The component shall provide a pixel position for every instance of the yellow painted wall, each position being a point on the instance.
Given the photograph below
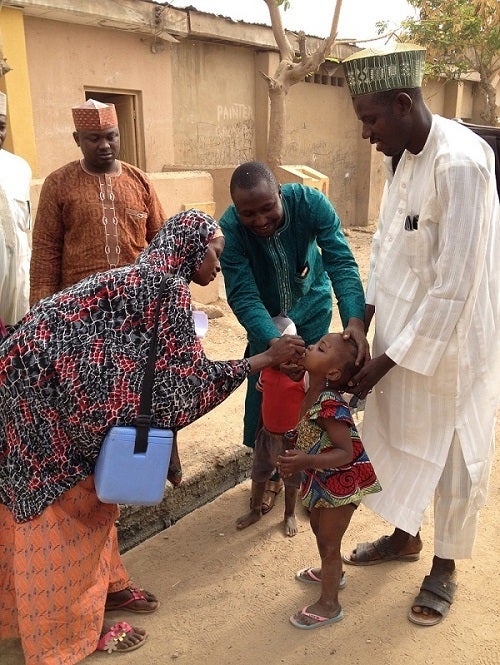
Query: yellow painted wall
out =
(16, 85)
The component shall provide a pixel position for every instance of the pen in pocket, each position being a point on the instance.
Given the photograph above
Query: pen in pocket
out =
(411, 223)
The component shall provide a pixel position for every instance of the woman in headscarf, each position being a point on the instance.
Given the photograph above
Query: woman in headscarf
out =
(69, 371)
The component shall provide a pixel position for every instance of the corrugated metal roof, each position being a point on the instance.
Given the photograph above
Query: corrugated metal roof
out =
(242, 11)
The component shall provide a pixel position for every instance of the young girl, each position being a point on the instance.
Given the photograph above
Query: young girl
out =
(336, 472)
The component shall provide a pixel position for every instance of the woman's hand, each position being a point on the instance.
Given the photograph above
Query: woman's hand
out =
(288, 348)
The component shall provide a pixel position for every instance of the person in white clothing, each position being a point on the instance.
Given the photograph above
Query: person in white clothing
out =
(434, 287)
(15, 223)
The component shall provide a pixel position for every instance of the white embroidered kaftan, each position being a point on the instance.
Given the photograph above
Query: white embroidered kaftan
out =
(436, 291)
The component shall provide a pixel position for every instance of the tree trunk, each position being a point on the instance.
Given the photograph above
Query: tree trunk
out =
(288, 73)
(278, 90)
(488, 94)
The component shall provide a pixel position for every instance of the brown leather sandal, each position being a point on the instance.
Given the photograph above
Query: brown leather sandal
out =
(273, 488)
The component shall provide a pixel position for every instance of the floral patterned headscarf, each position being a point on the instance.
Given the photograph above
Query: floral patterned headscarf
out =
(181, 244)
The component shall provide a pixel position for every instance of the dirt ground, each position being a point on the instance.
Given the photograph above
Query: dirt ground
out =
(226, 595)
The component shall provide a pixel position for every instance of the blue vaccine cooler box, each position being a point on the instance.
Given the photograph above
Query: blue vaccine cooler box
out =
(122, 476)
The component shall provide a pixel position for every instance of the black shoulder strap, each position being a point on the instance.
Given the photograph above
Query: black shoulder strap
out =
(143, 419)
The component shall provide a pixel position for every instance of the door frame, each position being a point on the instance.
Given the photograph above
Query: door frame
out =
(128, 104)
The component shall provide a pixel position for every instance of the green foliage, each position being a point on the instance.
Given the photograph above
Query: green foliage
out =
(461, 36)
(283, 3)
(382, 27)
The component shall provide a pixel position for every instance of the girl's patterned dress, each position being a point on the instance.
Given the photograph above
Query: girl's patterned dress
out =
(330, 488)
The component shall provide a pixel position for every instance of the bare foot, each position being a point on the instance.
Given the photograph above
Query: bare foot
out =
(248, 519)
(120, 637)
(291, 528)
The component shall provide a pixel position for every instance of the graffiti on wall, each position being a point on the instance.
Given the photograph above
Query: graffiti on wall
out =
(227, 141)
(234, 112)
(336, 161)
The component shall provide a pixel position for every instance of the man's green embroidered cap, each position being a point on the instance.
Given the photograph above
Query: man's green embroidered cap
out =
(375, 70)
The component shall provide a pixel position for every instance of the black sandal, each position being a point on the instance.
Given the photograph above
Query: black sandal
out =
(436, 593)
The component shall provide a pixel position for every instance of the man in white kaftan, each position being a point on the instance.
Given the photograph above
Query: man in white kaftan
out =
(436, 297)
(434, 286)
(15, 223)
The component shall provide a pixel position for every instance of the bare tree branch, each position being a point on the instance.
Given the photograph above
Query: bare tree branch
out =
(289, 72)
(284, 46)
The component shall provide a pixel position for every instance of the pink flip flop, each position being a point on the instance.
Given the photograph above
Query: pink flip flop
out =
(127, 605)
(307, 576)
(318, 620)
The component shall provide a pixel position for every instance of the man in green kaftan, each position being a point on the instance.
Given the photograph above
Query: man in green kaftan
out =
(284, 252)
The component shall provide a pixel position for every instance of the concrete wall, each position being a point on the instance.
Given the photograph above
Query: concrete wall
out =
(176, 191)
(219, 125)
(434, 95)
(322, 132)
(66, 59)
(468, 96)
(213, 104)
